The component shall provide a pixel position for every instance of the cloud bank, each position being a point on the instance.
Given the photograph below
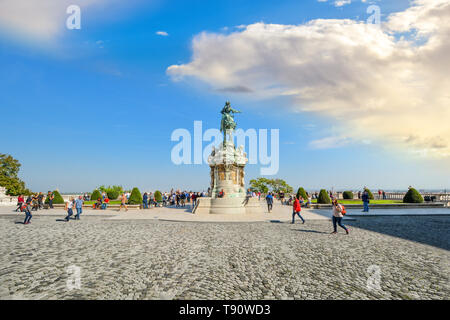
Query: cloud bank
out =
(387, 84)
(45, 20)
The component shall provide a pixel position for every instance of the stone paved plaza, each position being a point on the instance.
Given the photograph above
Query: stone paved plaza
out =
(152, 259)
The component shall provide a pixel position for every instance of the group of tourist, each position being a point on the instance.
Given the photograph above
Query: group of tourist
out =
(338, 210)
(176, 198)
(180, 199)
(33, 202)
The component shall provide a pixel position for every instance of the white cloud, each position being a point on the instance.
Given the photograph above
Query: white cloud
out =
(330, 142)
(377, 87)
(45, 20)
(162, 33)
(340, 3)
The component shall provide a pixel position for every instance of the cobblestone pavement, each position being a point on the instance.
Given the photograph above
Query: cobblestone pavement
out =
(150, 259)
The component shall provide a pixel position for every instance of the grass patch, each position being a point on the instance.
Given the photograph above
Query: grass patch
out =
(110, 202)
(357, 201)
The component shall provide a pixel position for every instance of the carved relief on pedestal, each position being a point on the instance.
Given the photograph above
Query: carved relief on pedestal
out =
(241, 177)
(233, 175)
(212, 178)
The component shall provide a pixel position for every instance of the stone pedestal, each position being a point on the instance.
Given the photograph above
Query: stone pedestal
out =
(227, 172)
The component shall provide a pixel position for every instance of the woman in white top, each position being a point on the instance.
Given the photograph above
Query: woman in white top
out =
(337, 217)
(69, 208)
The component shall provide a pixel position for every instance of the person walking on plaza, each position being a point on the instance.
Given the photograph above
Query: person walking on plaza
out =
(337, 217)
(69, 209)
(194, 199)
(365, 199)
(182, 199)
(79, 206)
(145, 201)
(50, 198)
(296, 208)
(28, 215)
(269, 200)
(20, 201)
(40, 198)
(123, 202)
(34, 201)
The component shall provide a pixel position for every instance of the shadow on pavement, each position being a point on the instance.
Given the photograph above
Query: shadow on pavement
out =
(309, 231)
(429, 230)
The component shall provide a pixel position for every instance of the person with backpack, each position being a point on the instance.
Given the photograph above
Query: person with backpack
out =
(28, 216)
(296, 208)
(338, 213)
(269, 200)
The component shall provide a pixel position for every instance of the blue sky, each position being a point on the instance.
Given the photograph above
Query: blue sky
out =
(82, 108)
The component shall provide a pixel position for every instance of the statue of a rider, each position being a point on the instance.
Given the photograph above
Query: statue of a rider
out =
(227, 124)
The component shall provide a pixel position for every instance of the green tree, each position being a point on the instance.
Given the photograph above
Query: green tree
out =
(370, 193)
(412, 196)
(9, 169)
(113, 192)
(323, 198)
(135, 197)
(158, 196)
(347, 195)
(279, 185)
(95, 195)
(57, 198)
(302, 192)
(260, 185)
(263, 185)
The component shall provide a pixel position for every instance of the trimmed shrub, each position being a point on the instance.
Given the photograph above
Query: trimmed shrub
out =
(95, 195)
(412, 196)
(113, 194)
(57, 198)
(323, 198)
(301, 192)
(370, 193)
(347, 195)
(135, 197)
(158, 196)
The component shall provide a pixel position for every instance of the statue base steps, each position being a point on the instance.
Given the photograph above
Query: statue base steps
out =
(235, 205)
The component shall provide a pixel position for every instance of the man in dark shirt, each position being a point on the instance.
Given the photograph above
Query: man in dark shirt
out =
(365, 199)
(269, 199)
(40, 200)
